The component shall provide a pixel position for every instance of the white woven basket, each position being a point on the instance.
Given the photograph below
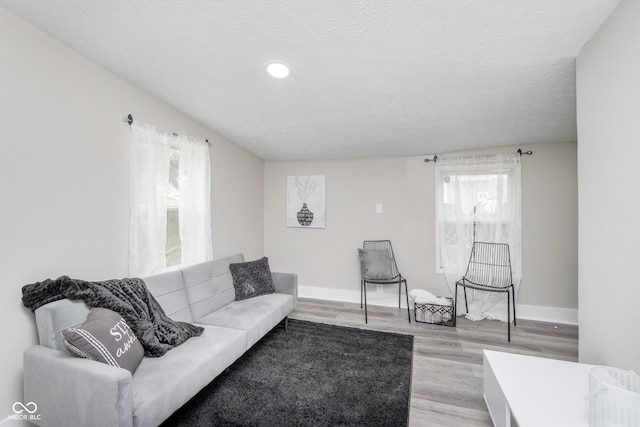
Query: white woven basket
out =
(614, 397)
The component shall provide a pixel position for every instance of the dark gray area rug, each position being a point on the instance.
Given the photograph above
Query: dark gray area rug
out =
(310, 375)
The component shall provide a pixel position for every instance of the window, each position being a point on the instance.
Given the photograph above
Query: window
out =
(173, 250)
(170, 186)
(477, 200)
(475, 205)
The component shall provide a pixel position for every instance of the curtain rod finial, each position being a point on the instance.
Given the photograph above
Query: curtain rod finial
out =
(434, 159)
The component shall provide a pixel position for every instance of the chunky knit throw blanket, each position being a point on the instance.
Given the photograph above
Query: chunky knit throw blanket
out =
(129, 297)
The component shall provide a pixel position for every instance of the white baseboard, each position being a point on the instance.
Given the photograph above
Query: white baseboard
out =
(567, 316)
(390, 299)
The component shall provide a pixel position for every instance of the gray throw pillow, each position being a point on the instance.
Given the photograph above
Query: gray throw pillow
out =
(251, 278)
(104, 337)
(375, 264)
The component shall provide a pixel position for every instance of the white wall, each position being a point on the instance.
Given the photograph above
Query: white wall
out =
(608, 97)
(64, 173)
(327, 258)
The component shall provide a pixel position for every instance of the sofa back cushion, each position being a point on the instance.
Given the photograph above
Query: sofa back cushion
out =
(53, 318)
(168, 289)
(209, 285)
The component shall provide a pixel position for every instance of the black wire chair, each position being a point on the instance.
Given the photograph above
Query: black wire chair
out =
(489, 270)
(387, 269)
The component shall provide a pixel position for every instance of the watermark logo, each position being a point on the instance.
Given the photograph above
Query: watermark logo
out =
(20, 407)
(25, 412)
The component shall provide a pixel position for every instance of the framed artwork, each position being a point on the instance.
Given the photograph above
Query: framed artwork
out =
(306, 201)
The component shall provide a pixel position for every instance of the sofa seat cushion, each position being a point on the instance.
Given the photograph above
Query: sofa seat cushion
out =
(161, 385)
(256, 316)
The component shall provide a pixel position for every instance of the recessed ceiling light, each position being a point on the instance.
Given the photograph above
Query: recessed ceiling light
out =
(277, 70)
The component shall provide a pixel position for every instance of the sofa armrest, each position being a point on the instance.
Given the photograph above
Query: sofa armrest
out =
(286, 283)
(72, 391)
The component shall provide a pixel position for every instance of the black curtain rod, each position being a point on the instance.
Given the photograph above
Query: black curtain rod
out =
(528, 153)
(520, 152)
(129, 120)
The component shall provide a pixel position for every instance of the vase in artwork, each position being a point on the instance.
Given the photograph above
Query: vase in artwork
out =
(305, 216)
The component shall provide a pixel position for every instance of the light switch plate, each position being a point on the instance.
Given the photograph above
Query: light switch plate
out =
(378, 207)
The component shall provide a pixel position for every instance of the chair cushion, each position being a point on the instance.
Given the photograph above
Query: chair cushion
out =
(252, 278)
(375, 264)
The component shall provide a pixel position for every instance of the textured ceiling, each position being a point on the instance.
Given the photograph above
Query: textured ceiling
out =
(368, 78)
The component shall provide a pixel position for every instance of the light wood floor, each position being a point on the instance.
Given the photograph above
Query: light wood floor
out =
(446, 385)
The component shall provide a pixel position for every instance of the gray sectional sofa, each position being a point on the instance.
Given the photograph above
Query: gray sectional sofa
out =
(74, 391)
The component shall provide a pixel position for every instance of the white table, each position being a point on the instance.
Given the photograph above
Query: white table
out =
(533, 391)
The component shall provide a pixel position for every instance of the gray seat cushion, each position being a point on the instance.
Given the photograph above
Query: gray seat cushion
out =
(266, 311)
(375, 264)
(161, 385)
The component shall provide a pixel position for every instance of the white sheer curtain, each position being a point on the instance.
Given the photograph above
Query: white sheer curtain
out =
(148, 190)
(478, 199)
(194, 200)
